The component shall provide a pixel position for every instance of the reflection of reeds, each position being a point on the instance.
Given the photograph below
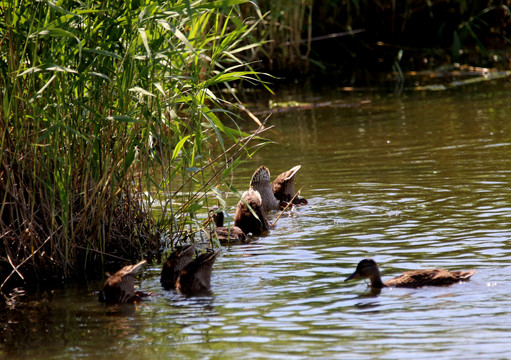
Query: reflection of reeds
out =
(101, 107)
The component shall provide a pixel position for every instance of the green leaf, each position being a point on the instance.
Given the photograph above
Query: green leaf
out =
(141, 91)
(178, 147)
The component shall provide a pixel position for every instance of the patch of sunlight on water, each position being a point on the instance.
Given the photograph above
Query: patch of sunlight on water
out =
(415, 182)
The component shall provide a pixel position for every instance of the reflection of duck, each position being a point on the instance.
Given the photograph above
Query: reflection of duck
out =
(284, 189)
(173, 265)
(229, 235)
(368, 268)
(195, 278)
(245, 219)
(120, 287)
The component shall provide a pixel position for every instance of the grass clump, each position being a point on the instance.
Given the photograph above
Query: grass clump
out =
(111, 115)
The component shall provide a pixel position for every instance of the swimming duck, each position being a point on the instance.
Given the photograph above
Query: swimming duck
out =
(173, 265)
(245, 220)
(120, 287)
(229, 235)
(195, 278)
(284, 189)
(368, 268)
(260, 182)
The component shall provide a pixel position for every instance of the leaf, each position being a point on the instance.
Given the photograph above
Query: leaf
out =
(124, 118)
(141, 91)
(41, 90)
(104, 53)
(143, 35)
(178, 147)
(101, 76)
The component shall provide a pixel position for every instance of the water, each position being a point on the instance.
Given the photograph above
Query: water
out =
(416, 181)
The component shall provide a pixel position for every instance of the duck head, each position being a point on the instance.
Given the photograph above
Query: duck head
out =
(367, 268)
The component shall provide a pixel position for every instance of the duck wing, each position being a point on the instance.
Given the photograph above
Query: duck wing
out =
(173, 265)
(283, 185)
(120, 287)
(244, 218)
(229, 235)
(429, 277)
(195, 278)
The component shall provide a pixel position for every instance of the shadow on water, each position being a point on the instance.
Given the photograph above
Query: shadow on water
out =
(415, 182)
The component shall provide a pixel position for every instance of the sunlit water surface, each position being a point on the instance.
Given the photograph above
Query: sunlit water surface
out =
(415, 181)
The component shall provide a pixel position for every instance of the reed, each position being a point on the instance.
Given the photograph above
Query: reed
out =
(108, 108)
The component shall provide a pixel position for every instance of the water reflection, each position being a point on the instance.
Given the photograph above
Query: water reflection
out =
(414, 182)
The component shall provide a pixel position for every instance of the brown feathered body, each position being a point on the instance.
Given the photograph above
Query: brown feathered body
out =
(284, 189)
(120, 287)
(245, 219)
(174, 264)
(260, 182)
(195, 278)
(368, 268)
(224, 234)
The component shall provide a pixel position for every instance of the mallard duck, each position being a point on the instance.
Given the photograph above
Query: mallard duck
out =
(284, 189)
(368, 268)
(120, 287)
(245, 220)
(173, 265)
(229, 235)
(260, 182)
(195, 278)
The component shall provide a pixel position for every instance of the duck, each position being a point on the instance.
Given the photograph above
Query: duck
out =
(120, 287)
(284, 189)
(177, 260)
(195, 278)
(260, 182)
(226, 235)
(245, 219)
(368, 268)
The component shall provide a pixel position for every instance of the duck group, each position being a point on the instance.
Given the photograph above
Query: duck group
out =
(192, 276)
(189, 276)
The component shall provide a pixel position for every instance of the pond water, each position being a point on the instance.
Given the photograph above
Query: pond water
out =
(413, 181)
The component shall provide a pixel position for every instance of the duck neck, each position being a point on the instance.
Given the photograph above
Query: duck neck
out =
(376, 281)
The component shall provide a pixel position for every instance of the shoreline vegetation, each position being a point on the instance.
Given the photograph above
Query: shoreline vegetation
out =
(119, 120)
(363, 43)
(114, 130)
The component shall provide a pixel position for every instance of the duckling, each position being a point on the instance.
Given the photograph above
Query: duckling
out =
(368, 268)
(120, 287)
(245, 220)
(283, 187)
(195, 278)
(226, 235)
(173, 265)
(261, 182)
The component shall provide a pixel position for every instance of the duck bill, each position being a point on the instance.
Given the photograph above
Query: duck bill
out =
(352, 276)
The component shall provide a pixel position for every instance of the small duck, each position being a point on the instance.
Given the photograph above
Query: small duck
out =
(368, 268)
(195, 278)
(284, 189)
(245, 219)
(173, 265)
(226, 235)
(260, 182)
(120, 287)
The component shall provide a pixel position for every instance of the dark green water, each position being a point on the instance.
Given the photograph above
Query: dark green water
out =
(416, 181)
